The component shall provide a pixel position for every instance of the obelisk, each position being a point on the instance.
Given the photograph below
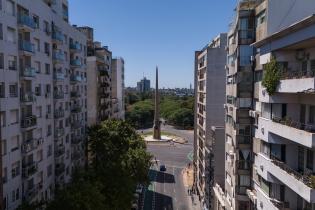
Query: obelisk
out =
(157, 123)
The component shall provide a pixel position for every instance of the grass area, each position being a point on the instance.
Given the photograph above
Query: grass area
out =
(165, 133)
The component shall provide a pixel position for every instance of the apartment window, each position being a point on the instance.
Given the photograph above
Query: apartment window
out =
(312, 115)
(49, 170)
(13, 89)
(12, 62)
(39, 111)
(15, 169)
(47, 89)
(48, 109)
(38, 90)
(37, 44)
(1, 32)
(37, 67)
(47, 68)
(66, 39)
(48, 130)
(2, 119)
(2, 90)
(14, 116)
(1, 61)
(36, 21)
(5, 175)
(47, 48)
(313, 66)
(4, 147)
(15, 142)
(66, 56)
(39, 155)
(49, 152)
(10, 7)
(309, 159)
(11, 35)
(260, 18)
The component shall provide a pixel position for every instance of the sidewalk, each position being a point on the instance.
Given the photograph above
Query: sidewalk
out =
(188, 179)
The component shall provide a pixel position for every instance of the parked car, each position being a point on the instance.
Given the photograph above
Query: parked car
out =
(162, 168)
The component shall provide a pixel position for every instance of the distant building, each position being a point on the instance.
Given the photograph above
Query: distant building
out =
(118, 86)
(143, 85)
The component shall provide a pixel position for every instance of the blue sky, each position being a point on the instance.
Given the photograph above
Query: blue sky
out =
(147, 33)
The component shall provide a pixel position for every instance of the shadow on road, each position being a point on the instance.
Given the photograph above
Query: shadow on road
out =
(162, 202)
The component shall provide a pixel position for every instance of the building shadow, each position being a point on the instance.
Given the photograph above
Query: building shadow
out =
(162, 177)
(161, 201)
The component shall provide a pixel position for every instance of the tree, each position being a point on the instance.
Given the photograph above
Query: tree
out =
(182, 117)
(120, 161)
(141, 114)
(271, 76)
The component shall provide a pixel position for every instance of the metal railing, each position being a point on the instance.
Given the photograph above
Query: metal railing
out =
(294, 124)
(28, 72)
(27, 46)
(31, 145)
(289, 74)
(59, 150)
(59, 76)
(75, 46)
(58, 36)
(76, 108)
(75, 94)
(59, 95)
(27, 97)
(59, 132)
(75, 62)
(26, 21)
(28, 121)
(59, 113)
(28, 169)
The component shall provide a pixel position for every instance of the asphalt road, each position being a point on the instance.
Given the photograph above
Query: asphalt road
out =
(166, 191)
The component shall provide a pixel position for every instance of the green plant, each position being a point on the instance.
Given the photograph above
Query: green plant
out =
(271, 76)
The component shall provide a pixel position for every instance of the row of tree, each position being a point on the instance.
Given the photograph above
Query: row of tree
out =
(178, 111)
(118, 161)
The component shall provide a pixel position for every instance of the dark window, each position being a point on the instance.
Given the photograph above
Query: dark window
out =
(309, 159)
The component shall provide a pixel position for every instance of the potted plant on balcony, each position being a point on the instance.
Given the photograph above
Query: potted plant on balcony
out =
(271, 76)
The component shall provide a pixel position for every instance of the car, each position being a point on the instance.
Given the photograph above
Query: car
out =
(162, 168)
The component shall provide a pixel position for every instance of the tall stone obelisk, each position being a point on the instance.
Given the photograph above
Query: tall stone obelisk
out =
(157, 123)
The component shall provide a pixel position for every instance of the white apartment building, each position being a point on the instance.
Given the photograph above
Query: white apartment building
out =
(284, 121)
(210, 78)
(42, 98)
(118, 88)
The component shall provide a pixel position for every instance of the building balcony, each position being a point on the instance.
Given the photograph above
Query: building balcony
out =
(31, 145)
(100, 58)
(59, 132)
(76, 124)
(59, 76)
(26, 47)
(29, 121)
(29, 169)
(76, 139)
(28, 72)
(27, 97)
(57, 36)
(75, 47)
(299, 183)
(75, 94)
(60, 150)
(75, 78)
(26, 22)
(102, 68)
(76, 108)
(270, 203)
(76, 155)
(75, 63)
(59, 113)
(59, 95)
(295, 131)
(60, 169)
(58, 57)
(296, 82)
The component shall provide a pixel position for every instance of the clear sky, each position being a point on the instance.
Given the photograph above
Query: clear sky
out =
(147, 33)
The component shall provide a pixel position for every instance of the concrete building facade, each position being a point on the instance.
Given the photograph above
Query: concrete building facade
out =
(42, 99)
(118, 88)
(143, 85)
(210, 97)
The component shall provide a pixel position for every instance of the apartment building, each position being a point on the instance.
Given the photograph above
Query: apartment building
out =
(143, 85)
(239, 92)
(284, 120)
(42, 98)
(210, 91)
(118, 88)
(98, 79)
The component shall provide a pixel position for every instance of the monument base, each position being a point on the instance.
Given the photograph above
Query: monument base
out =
(163, 139)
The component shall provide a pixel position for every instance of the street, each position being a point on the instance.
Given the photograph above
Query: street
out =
(167, 191)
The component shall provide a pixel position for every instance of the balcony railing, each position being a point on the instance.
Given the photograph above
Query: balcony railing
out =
(27, 46)
(59, 76)
(27, 97)
(75, 62)
(305, 178)
(59, 113)
(58, 56)
(59, 95)
(243, 139)
(31, 145)
(60, 168)
(28, 72)
(76, 139)
(28, 121)
(59, 132)
(75, 94)
(243, 164)
(75, 78)
(75, 46)
(76, 124)
(59, 150)
(294, 124)
(57, 36)
(76, 108)
(29, 169)
(280, 204)
(298, 74)
(26, 20)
